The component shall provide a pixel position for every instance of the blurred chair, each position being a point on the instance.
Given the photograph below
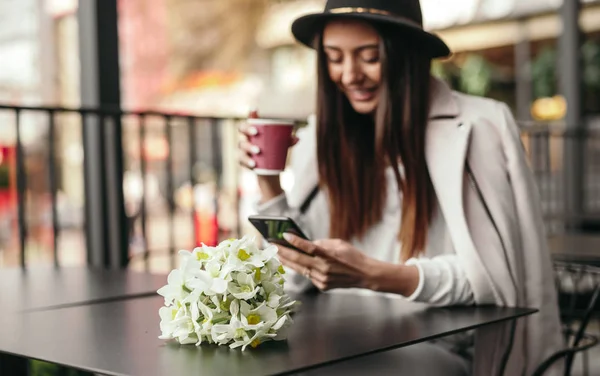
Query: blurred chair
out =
(579, 291)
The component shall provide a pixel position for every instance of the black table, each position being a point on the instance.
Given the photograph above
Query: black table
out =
(120, 338)
(39, 288)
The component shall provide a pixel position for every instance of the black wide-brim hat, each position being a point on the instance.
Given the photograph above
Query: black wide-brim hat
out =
(401, 16)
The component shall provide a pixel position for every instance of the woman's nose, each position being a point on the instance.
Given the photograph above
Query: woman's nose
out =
(351, 73)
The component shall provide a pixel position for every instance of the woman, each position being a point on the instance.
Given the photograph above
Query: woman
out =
(428, 189)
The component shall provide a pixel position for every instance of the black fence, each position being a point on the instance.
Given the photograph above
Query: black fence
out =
(180, 183)
(170, 154)
(566, 164)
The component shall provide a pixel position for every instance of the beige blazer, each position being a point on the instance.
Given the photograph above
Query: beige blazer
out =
(472, 140)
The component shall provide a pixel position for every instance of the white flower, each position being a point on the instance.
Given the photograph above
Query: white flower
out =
(272, 293)
(231, 294)
(203, 254)
(259, 259)
(258, 338)
(287, 305)
(202, 320)
(281, 327)
(273, 300)
(243, 287)
(224, 333)
(176, 290)
(177, 323)
(274, 265)
(245, 253)
(206, 284)
(259, 316)
(185, 331)
(167, 316)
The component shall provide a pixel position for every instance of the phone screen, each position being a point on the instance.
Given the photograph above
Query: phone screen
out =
(273, 228)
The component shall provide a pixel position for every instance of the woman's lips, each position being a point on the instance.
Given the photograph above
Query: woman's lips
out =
(361, 95)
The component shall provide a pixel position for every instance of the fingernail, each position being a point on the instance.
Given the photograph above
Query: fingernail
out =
(252, 131)
(288, 237)
(255, 149)
(252, 164)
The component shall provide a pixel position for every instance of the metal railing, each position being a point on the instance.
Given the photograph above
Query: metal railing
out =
(189, 162)
(165, 139)
(550, 150)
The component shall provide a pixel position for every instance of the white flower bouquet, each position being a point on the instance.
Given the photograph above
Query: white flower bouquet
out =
(231, 294)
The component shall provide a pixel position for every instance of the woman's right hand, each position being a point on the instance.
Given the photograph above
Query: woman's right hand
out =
(246, 149)
(270, 186)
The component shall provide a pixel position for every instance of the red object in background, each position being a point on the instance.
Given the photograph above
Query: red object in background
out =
(206, 229)
(8, 195)
(144, 38)
(6, 201)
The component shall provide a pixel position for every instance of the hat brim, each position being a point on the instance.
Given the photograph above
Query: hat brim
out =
(306, 28)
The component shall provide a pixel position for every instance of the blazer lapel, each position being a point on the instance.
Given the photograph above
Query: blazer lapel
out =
(446, 147)
(447, 143)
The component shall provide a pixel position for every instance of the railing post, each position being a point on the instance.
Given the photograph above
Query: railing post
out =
(106, 224)
(53, 182)
(571, 88)
(524, 88)
(143, 208)
(22, 191)
(193, 157)
(170, 188)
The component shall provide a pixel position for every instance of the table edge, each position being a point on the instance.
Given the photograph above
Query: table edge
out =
(530, 312)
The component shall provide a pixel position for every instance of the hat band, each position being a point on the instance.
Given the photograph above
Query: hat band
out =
(346, 10)
(360, 10)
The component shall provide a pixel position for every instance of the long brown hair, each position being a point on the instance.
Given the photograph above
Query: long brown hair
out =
(354, 150)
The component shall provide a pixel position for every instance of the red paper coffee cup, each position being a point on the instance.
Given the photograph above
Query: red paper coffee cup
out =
(274, 138)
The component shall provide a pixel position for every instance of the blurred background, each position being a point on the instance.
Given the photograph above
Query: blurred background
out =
(118, 118)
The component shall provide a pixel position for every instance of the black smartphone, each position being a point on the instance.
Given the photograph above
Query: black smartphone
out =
(272, 229)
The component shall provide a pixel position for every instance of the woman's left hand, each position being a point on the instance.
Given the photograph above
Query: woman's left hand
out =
(330, 264)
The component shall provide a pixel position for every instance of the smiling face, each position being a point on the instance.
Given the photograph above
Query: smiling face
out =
(353, 61)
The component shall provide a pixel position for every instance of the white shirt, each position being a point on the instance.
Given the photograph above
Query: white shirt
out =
(442, 281)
